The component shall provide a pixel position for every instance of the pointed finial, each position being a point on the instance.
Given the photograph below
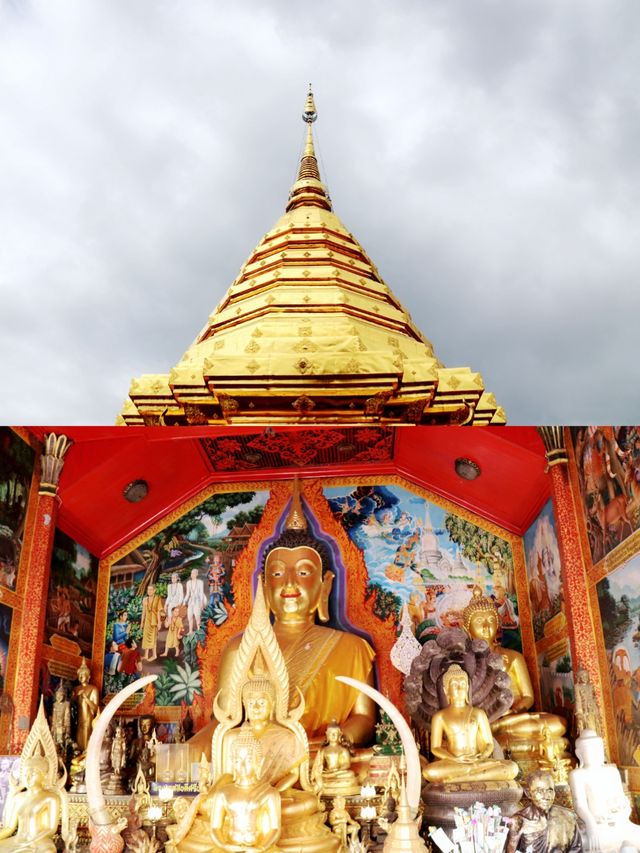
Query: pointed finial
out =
(310, 113)
(295, 519)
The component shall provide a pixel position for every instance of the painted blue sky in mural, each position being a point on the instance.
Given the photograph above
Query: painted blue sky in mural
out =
(403, 537)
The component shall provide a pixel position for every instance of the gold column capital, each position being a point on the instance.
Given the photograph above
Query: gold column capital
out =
(553, 440)
(52, 459)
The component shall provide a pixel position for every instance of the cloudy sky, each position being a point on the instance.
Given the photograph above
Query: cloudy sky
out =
(486, 154)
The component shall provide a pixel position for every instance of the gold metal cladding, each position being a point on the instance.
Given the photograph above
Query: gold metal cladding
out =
(553, 439)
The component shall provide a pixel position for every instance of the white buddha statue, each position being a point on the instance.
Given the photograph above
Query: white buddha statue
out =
(599, 799)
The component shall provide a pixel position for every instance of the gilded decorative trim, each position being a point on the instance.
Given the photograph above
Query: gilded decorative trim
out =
(529, 649)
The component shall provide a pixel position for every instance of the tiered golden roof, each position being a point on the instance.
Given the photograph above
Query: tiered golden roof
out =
(310, 333)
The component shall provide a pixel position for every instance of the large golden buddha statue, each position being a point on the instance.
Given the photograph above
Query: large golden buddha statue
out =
(461, 739)
(534, 734)
(298, 581)
(258, 706)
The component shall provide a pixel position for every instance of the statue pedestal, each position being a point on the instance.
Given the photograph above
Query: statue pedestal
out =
(530, 755)
(441, 800)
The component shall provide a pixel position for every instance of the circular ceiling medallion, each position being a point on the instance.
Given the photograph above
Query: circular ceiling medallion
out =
(136, 491)
(467, 468)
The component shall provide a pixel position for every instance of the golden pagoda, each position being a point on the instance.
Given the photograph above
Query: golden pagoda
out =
(310, 333)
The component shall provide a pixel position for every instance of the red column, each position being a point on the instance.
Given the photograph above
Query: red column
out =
(26, 687)
(582, 636)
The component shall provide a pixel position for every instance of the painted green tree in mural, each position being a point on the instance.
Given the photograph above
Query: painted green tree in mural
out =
(385, 603)
(479, 545)
(188, 529)
(615, 614)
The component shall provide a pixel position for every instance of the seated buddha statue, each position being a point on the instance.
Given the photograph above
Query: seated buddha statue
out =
(332, 774)
(599, 798)
(461, 739)
(245, 812)
(297, 582)
(480, 620)
(258, 707)
(33, 813)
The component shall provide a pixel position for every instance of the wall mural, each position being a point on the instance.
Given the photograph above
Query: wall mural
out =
(608, 462)
(556, 679)
(164, 593)
(543, 570)
(6, 615)
(421, 555)
(16, 468)
(72, 594)
(619, 604)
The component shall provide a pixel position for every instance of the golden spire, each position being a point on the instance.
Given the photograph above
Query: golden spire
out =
(296, 519)
(308, 188)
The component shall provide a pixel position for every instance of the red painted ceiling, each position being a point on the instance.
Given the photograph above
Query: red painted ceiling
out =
(511, 490)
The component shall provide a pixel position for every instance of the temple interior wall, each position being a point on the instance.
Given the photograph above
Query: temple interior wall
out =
(392, 543)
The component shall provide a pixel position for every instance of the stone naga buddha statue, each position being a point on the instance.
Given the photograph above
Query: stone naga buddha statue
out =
(298, 580)
(523, 733)
(461, 739)
(332, 774)
(245, 813)
(599, 798)
(258, 705)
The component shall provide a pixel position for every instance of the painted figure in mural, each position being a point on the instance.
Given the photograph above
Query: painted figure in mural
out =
(121, 628)
(538, 590)
(622, 691)
(461, 739)
(63, 608)
(245, 814)
(87, 703)
(505, 608)
(298, 582)
(599, 798)
(480, 620)
(195, 599)
(150, 622)
(34, 812)
(130, 660)
(541, 826)
(61, 719)
(215, 576)
(175, 597)
(331, 773)
(112, 658)
(175, 630)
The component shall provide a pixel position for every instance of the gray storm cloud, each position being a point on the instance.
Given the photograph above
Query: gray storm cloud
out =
(485, 154)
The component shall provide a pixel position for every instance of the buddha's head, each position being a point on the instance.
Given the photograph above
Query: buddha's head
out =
(480, 617)
(589, 749)
(259, 699)
(84, 673)
(540, 789)
(297, 581)
(333, 733)
(455, 683)
(61, 693)
(34, 770)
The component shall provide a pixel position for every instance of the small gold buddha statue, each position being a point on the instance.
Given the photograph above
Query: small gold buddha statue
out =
(34, 812)
(298, 582)
(480, 620)
(331, 773)
(342, 824)
(461, 739)
(245, 813)
(87, 702)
